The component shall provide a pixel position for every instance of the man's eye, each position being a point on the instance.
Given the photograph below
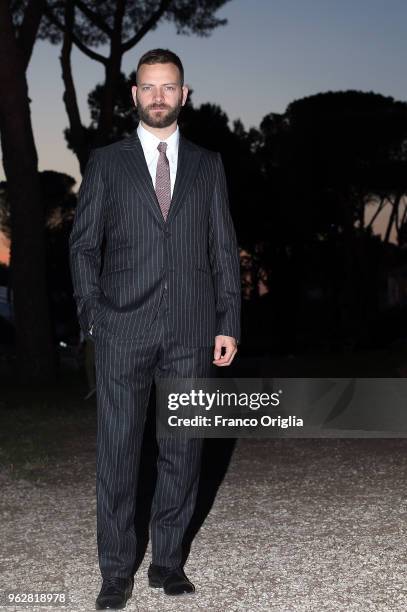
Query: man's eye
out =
(170, 88)
(146, 88)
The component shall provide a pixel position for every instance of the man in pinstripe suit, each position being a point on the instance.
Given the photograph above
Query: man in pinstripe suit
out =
(155, 270)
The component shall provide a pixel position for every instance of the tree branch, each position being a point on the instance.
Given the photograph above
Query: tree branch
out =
(383, 201)
(92, 54)
(397, 218)
(94, 17)
(404, 218)
(155, 17)
(392, 217)
(118, 22)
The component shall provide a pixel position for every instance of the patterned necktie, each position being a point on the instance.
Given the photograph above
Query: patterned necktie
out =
(162, 180)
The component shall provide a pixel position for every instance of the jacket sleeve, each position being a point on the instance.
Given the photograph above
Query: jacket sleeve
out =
(85, 244)
(224, 259)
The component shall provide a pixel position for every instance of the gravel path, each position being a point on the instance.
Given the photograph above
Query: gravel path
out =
(297, 525)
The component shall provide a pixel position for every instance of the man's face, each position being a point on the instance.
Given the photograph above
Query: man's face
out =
(159, 96)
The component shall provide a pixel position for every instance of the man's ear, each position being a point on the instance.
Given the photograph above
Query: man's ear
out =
(184, 94)
(134, 94)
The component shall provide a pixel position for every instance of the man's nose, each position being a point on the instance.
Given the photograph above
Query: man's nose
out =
(158, 94)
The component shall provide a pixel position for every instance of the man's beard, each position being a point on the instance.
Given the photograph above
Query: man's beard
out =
(156, 119)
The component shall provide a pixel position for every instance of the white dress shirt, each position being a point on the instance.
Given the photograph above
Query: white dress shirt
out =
(149, 142)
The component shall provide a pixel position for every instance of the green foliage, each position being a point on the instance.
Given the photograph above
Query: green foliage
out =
(330, 154)
(95, 19)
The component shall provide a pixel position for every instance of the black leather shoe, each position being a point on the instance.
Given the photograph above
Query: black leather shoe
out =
(172, 580)
(114, 593)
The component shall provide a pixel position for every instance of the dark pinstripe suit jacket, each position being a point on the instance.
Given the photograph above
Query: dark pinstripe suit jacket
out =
(193, 253)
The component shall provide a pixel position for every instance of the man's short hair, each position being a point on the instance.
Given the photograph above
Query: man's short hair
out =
(161, 56)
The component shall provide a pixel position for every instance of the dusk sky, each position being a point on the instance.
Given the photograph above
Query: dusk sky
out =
(270, 53)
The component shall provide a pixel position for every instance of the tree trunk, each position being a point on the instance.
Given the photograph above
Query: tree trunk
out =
(105, 127)
(350, 294)
(78, 140)
(35, 350)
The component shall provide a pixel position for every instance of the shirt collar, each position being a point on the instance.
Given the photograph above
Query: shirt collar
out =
(149, 141)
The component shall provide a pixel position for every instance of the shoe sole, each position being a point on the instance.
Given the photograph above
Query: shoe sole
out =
(157, 584)
(121, 607)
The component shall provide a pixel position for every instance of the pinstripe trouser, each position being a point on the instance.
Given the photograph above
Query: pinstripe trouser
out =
(125, 371)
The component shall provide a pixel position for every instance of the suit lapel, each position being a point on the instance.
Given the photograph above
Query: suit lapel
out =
(132, 156)
(187, 167)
